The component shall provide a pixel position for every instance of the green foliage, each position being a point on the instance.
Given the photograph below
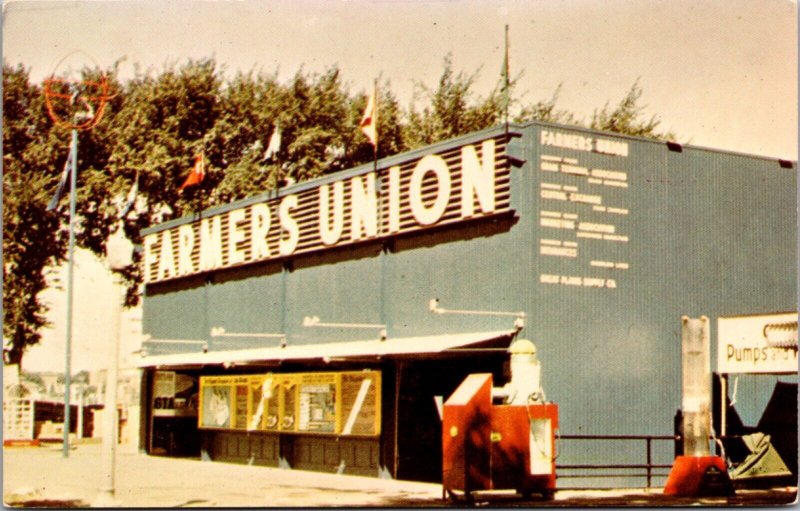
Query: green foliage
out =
(156, 123)
(546, 111)
(452, 110)
(626, 118)
(33, 238)
(33, 380)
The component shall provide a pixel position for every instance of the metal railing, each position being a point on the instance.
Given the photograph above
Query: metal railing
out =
(647, 470)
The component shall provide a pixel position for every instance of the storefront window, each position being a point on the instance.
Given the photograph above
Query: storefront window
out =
(344, 403)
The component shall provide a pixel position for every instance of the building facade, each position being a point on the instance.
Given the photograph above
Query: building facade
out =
(320, 326)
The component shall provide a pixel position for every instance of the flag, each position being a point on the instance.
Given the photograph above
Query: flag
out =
(197, 174)
(62, 184)
(274, 144)
(369, 123)
(130, 200)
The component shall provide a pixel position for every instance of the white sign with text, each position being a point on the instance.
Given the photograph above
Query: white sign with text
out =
(764, 343)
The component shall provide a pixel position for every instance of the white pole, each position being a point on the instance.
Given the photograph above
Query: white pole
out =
(110, 425)
(723, 407)
(118, 249)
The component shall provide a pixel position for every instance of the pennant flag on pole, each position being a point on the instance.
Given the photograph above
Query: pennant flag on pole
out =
(130, 200)
(62, 184)
(274, 144)
(369, 123)
(197, 174)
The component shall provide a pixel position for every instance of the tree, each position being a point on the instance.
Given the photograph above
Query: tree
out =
(546, 111)
(162, 124)
(319, 124)
(250, 109)
(626, 118)
(33, 238)
(452, 111)
(33, 380)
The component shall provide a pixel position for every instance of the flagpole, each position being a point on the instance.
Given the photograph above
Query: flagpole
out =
(70, 279)
(382, 254)
(507, 84)
(375, 146)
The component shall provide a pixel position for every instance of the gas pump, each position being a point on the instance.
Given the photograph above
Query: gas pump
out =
(497, 438)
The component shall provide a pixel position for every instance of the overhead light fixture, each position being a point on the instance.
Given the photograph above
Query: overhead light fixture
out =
(204, 344)
(314, 321)
(519, 322)
(219, 331)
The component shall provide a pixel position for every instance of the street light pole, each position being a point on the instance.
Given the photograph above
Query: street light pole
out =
(73, 155)
(119, 250)
(72, 94)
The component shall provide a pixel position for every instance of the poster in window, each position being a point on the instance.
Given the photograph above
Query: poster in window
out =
(174, 394)
(216, 407)
(260, 394)
(271, 421)
(288, 420)
(162, 404)
(317, 408)
(360, 404)
(240, 421)
(186, 390)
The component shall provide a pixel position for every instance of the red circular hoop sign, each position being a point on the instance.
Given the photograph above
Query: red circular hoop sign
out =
(76, 104)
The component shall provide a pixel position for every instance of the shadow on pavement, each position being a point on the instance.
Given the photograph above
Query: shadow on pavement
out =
(48, 503)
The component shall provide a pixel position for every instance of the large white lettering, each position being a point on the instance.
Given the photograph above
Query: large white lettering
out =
(185, 246)
(259, 228)
(236, 235)
(166, 261)
(363, 208)
(423, 214)
(330, 234)
(477, 178)
(210, 243)
(287, 245)
(394, 199)
(398, 199)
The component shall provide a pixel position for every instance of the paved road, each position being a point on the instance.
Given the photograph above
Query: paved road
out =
(42, 476)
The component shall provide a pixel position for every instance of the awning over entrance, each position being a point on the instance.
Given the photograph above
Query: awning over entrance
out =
(391, 347)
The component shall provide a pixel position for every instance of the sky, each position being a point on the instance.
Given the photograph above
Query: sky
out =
(95, 303)
(719, 74)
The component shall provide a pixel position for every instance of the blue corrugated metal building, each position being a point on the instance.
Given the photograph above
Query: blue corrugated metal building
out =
(601, 241)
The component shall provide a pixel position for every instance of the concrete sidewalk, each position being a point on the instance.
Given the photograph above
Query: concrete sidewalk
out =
(43, 474)
(35, 477)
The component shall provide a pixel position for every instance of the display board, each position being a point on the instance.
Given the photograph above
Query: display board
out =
(174, 395)
(341, 403)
